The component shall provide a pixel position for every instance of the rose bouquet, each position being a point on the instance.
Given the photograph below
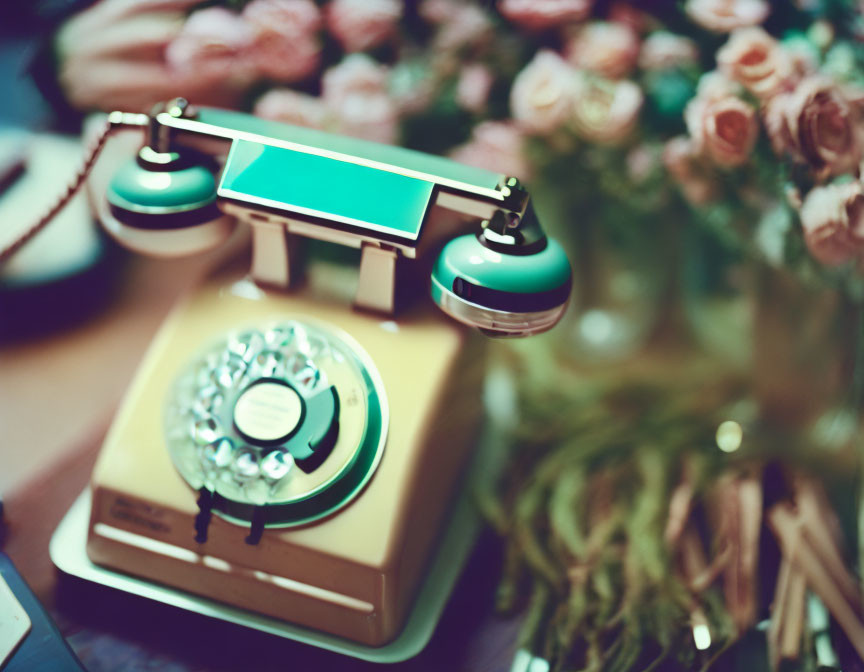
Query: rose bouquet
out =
(741, 114)
(525, 83)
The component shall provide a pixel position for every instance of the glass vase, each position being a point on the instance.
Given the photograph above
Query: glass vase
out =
(621, 273)
(718, 298)
(807, 356)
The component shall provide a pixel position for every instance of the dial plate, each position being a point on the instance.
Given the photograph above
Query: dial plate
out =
(275, 416)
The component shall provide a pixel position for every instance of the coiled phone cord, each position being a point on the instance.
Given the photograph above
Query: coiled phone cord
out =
(114, 121)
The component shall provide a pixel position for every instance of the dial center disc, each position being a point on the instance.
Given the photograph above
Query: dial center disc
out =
(268, 411)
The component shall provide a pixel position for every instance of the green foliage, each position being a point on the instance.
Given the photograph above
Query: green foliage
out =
(667, 93)
(442, 124)
(583, 505)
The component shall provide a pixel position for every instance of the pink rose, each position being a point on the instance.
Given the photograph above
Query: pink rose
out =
(473, 86)
(723, 128)
(285, 44)
(688, 169)
(495, 146)
(817, 125)
(663, 50)
(286, 17)
(723, 16)
(541, 99)
(755, 59)
(285, 60)
(605, 111)
(466, 25)
(542, 14)
(292, 107)
(459, 24)
(357, 74)
(359, 25)
(608, 49)
(355, 92)
(714, 93)
(833, 222)
(212, 44)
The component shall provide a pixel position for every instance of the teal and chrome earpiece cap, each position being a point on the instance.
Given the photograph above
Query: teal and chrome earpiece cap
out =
(502, 294)
(160, 204)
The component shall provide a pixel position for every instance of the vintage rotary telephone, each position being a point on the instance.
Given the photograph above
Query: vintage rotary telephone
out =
(274, 409)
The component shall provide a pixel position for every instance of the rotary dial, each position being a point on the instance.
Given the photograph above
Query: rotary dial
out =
(289, 419)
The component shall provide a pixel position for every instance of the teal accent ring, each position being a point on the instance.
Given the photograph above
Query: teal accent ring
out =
(466, 258)
(136, 189)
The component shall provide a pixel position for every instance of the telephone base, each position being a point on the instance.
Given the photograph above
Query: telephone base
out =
(69, 554)
(352, 573)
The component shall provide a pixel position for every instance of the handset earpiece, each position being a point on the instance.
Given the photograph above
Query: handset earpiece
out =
(508, 280)
(163, 203)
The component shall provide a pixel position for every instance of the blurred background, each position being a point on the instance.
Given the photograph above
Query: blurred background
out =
(701, 162)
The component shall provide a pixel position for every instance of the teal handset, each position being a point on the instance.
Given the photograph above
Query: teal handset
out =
(508, 279)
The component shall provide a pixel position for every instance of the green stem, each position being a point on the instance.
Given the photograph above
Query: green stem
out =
(858, 364)
(585, 232)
